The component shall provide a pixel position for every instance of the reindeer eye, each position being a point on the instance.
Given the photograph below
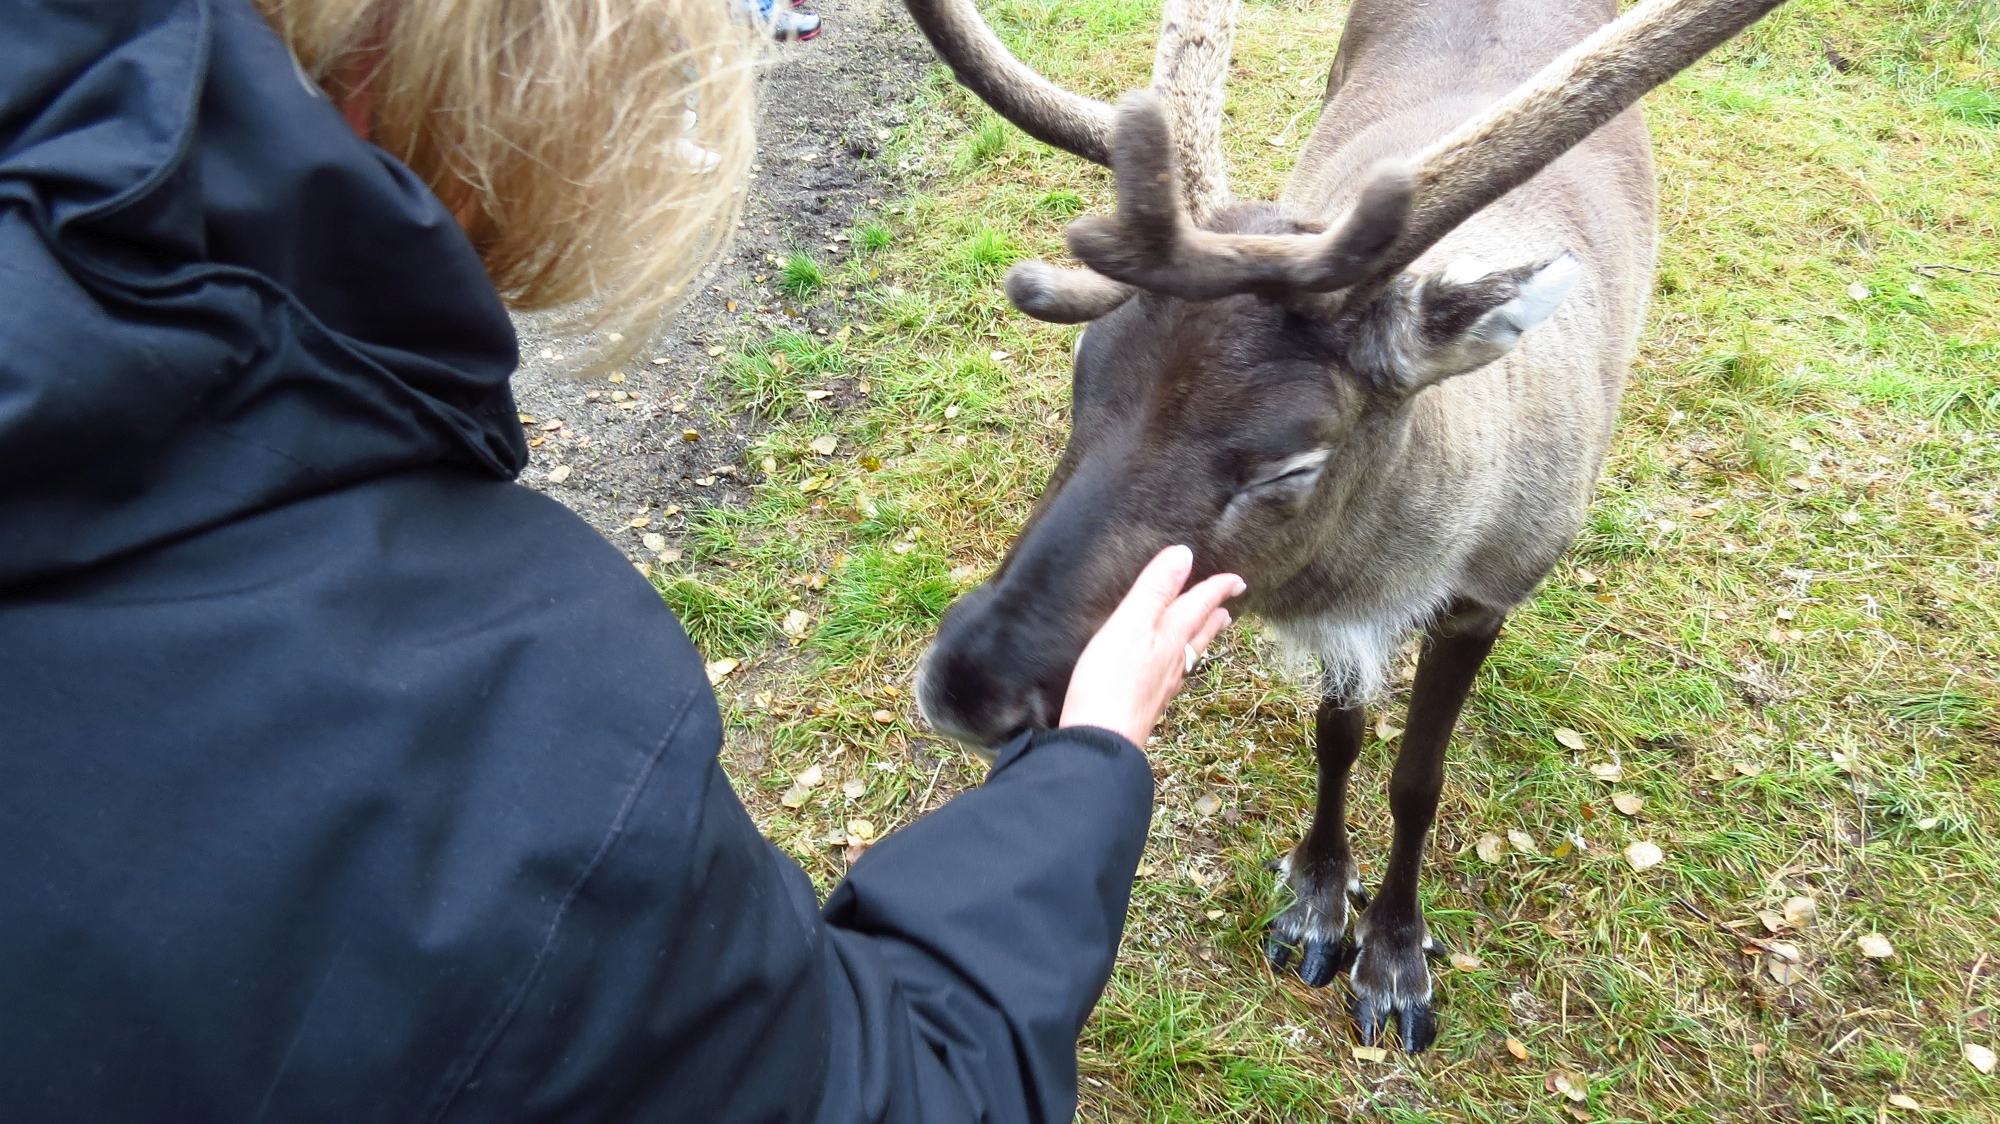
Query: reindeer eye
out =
(1294, 475)
(1291, 472)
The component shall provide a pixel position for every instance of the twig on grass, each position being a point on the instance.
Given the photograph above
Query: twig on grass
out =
(1931, 269)
(1689, 657)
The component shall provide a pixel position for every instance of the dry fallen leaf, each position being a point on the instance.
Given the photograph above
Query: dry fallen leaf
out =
(1858, 290)
(871, 463)
(653, 541)
(1466, 962)
(690, 435)
(1208, 803)
(1905, 1101)
(1569, 738)
(1784, 950)
(1517, 1048)
(1760, 1051)
(670, 555)
(854, 788)
(1772, 922)
(860, 831)
(1216, 914)
(1370, 1054)
(1979, 1057)
(1644, 854)
(811, 777)
(825, 444)
(813, 484)
(1488, 848)
(795, 796)
(1566, 1084)
(558, 474)
(719, 670)
(1749, 768)
(1783, 971)
(1522, 841)
(795, 623)
(1875, 946)
(1800, 912)
(883, 716)
(1384, 730)
(1608, 772)
(951, 411)
(1627, 803)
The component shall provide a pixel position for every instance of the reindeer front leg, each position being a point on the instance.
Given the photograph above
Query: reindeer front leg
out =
(1390, 940)
(1320, 871)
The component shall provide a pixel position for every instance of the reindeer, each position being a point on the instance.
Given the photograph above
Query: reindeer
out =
(1383, 400)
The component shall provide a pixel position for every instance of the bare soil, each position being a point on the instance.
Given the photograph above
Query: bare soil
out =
(825, 107)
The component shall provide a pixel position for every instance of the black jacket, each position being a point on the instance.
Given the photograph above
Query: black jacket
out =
(341, 779)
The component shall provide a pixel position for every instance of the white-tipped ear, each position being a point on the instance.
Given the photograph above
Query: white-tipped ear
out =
(1468, 315)
(1539, 296)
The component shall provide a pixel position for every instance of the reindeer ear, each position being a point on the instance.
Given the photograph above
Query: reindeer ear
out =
(1464, 317)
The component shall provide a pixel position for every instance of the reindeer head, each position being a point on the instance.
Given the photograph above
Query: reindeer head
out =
(1240, 374)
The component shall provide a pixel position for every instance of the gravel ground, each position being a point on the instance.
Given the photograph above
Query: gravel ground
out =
(615, 450)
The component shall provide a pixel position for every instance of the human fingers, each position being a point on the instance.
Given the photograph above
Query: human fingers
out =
(1191, 609)
(1156, 586)
(1218, 619)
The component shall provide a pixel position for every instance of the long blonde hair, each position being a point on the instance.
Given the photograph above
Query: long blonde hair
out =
(553, 129)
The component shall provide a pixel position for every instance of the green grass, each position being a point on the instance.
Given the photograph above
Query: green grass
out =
(1780, 618)
(872, 236)
(801, 276)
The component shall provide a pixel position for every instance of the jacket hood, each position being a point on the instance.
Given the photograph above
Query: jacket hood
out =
(214, 297)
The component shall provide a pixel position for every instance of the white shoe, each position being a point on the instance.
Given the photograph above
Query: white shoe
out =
(692, 156)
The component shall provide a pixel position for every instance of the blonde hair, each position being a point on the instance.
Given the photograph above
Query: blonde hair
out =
(553, 129)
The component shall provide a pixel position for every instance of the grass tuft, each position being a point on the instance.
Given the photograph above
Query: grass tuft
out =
(801, 276)
(872, 236)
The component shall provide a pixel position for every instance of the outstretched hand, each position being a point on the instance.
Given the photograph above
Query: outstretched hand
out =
(1137, 661)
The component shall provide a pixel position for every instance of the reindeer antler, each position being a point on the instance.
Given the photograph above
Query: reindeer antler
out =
(1401, 212)
(984, 65)
(1151, 244)
(1190, 67)
(1582, 89)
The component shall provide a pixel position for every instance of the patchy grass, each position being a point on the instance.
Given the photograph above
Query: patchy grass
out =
(801, 276)
(1780, 621)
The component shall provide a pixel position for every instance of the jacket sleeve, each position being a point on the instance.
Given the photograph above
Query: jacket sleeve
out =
(967, 949)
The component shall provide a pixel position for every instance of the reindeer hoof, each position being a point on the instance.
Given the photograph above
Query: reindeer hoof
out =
(1315, 927)
(1323, 960)
(1277, 951)
(1415, 1020)
(1390, 979)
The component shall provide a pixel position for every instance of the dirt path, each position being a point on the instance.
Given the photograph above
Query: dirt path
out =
(615, 451)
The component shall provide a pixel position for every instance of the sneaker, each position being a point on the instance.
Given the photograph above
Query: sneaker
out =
(794, 24)
(692, 156)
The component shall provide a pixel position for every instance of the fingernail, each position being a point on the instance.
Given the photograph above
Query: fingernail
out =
(1187, 553)
(1241, 585)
